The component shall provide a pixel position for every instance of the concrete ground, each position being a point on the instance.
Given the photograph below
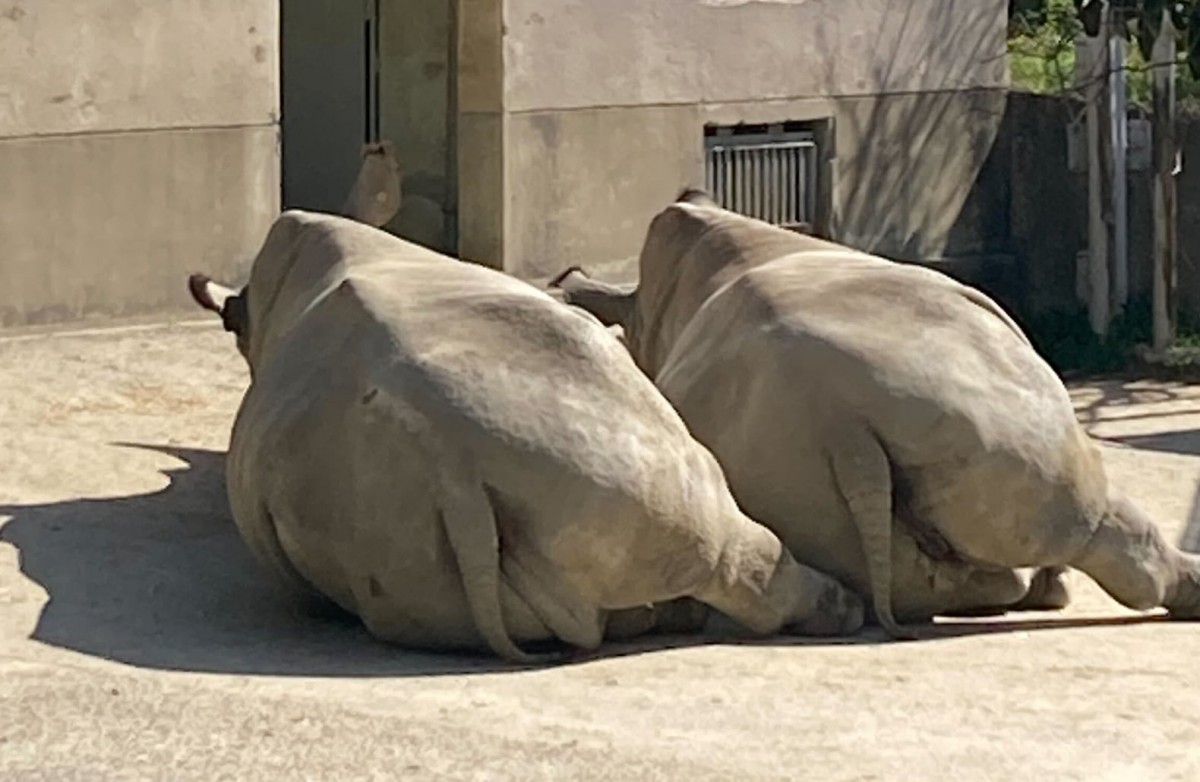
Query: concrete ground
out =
(139, 641)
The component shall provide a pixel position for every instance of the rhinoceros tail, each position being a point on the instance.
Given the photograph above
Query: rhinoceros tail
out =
(864, 478)
(470, 524)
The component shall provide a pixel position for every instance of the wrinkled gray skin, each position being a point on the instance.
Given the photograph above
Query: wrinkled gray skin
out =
(894, 427)
(447, 453)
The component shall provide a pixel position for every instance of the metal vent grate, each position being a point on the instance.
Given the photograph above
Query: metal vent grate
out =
(766, 173)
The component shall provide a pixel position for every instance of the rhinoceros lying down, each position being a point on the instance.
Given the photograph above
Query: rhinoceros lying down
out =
(446, 452)
(894, 427)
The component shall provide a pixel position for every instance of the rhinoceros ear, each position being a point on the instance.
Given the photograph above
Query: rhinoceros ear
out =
(215, 297)
(208, 294)
(556, 282)
(611, 304)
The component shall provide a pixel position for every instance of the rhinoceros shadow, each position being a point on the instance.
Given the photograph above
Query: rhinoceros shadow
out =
(162, 580)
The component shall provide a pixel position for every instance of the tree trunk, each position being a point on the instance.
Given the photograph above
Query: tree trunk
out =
(1091, 58)
(1165, 207)
(1118, 138)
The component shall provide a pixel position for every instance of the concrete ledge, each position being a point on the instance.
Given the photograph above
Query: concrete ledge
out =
(107, 226)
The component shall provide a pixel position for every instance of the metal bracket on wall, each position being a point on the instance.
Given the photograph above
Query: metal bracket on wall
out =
(371, 130)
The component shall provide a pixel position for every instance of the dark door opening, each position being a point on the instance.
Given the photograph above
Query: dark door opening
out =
(329, 95)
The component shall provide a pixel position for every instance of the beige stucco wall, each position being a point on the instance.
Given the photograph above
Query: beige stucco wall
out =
(580, 53)
(137, 143)
(578, 195)
(600, 109)
(905, 167)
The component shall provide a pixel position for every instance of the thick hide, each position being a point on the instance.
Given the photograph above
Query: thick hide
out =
(894, 427)
(462, 462)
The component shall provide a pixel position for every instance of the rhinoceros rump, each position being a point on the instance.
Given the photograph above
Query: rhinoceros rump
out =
(451, 455)
(894, 427)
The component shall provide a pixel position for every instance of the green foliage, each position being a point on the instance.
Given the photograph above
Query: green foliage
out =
(1042, 45)
(1137, 20)
(1141, 20)
(1141, 78)
(1042, 36)
(1065, 339)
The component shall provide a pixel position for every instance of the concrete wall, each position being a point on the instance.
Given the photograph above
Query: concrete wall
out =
(137, 143)
(574, 54)
(1037, 211)
(1049, 209)
(1188, 198)
(1048, 216)
(480, 137)
(599, 110)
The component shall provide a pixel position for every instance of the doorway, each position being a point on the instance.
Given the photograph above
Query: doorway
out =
(329, 96)
(368, 71)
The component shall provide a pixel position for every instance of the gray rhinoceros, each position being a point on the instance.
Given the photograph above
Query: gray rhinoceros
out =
(894, 427)
(460, 461)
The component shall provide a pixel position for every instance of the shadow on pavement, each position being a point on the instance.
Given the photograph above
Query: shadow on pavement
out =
(1115, 393)
(162, 580)
(1183, 441)
(1187, 443)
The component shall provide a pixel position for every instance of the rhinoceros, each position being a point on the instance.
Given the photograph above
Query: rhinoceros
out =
(462, 462)
(894, 427)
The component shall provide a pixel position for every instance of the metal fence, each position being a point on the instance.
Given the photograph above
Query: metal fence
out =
(771, 176)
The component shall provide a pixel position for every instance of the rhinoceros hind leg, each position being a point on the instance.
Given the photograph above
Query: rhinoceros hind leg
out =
(758, 584)
(925, 587)
(1183, 602)
(674, 617)
(1047, 591)
(1187, 606)
(629, 623)
(1130, 559)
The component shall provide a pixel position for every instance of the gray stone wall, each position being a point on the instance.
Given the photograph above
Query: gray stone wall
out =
(137, 142)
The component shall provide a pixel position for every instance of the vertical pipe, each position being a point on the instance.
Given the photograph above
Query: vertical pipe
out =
(450, 206)
(371, 70)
